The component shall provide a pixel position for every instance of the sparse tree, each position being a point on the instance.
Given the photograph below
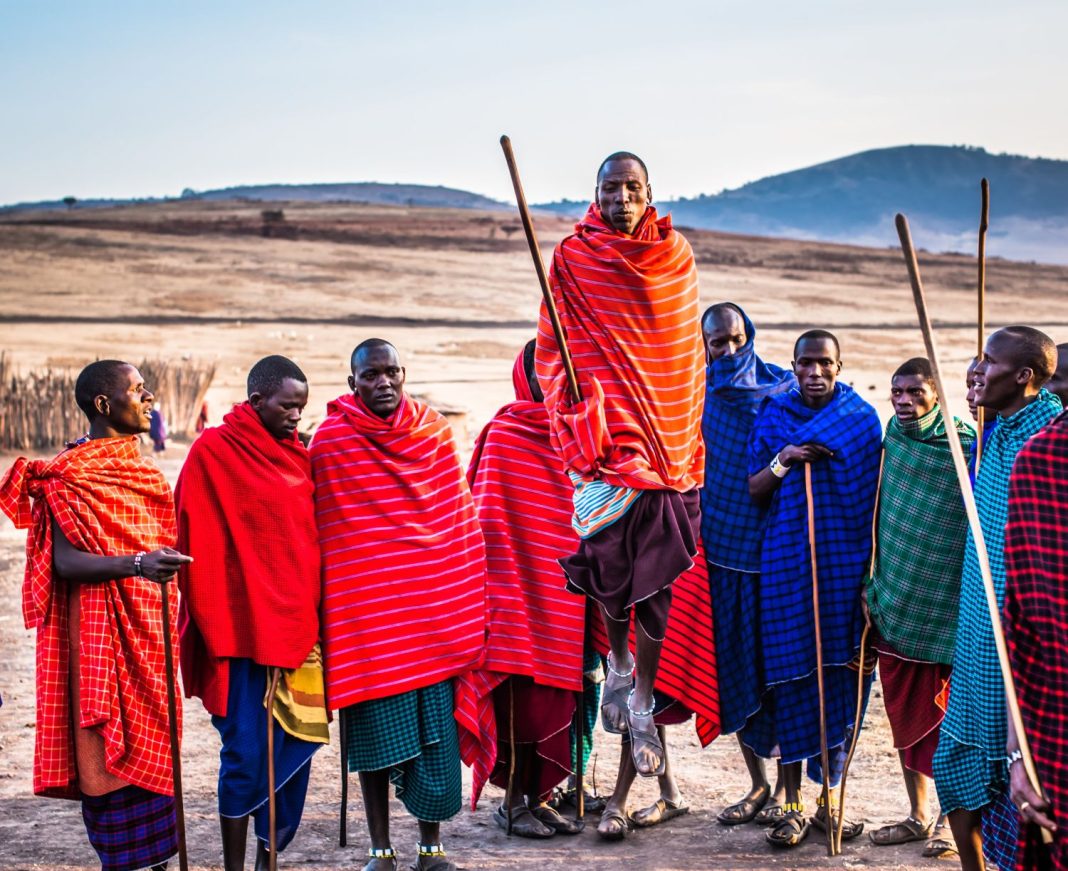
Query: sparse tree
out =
(69, 202)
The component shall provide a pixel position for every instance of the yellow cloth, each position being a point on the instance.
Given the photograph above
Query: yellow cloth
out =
(300, 700)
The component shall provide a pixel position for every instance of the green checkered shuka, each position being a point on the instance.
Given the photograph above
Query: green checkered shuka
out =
(414, 736)
(914, 591)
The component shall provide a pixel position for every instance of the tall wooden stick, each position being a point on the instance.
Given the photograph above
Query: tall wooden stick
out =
(172, 717)
(272, 813)
(984, 223)
(343, 837)
(970, 507)
(539, 267)
(824, 755)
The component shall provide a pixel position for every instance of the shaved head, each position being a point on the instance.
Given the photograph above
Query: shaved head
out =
(102, 378)
(365, 347)
(619, 156)
(270, 373)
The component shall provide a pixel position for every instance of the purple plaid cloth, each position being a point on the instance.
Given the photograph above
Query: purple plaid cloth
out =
(130, 828)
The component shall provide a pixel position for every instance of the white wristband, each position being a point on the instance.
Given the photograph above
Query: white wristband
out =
(777, 468)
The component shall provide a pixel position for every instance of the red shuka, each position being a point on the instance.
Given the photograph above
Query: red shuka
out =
(108, 501)
(1036, 624)
(536, 628)
(629, 309)
(688, 658)
(246, 516)
(404, 566)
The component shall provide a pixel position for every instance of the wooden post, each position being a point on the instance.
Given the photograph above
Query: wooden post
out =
(984, 223)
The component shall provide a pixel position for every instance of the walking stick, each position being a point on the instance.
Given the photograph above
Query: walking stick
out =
(509, 792)
(580, 754)
(342, 838)
(172, 717)
(824, 755)
(984, 223)
(572, 381)
(539, 267)
(858, 716)
(972, 512)
(272, 822)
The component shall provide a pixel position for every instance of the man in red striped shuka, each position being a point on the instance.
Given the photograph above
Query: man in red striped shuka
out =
(101, 523)
(404, 582)
(522, 695)
(250, 604)
(625, 287)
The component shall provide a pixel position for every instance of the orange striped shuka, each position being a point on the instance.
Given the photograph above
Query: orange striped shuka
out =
(109, 501)
(630, 313)
(535, 627)
(403, 560)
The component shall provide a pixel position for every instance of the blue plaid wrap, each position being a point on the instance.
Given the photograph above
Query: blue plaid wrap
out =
(969, 764)
(130, 828)
(731, 524)
(844, 493)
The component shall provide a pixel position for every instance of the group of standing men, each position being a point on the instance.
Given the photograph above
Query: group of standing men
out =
(690, 491)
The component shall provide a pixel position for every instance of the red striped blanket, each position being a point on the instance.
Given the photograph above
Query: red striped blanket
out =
(688, 658)
(404, 570)
(536, 628)
(629, 308)
(107, 500)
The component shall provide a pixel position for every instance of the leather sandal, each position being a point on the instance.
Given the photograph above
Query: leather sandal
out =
(551, 817)
(908, 830)
(621, 825)
(770, 814)
(650, 738)
(744, 811)
(525, 824)
(850, 829)
(790, 831)
(660, 811)
(614, 696)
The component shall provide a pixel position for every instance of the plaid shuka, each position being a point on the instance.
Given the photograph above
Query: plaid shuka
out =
(731, 524)
(969, 765)
(130, 828)
(107, 500)
(414, 736)
(1036, 620)
(844, 493)
(914, 591)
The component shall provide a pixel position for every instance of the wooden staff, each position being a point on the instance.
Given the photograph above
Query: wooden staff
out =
(172, 717)
(572, 381)
(972, 511)
(824, 755)
(984, 223)
(509, 792)
(861, 657)
(580, 738)
(539, 267)
(342, 838)
(272, 821)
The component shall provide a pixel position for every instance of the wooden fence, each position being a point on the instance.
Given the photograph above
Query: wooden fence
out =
(37, 410)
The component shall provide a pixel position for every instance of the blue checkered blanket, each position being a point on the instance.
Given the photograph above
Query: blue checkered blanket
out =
(731, 524)
(844, 488)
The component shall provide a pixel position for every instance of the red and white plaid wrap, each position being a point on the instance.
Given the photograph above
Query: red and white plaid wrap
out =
(107, 500)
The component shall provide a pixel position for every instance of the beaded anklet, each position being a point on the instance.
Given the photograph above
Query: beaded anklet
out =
(633, 667)
(793, 807)
(381, 853)
(431, 849)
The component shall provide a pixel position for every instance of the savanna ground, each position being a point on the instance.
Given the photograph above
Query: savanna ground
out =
(455, 291)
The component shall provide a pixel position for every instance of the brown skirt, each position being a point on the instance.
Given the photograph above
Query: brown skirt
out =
(634, 562)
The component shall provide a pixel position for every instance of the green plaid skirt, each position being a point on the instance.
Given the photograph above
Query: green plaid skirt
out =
(414, 736)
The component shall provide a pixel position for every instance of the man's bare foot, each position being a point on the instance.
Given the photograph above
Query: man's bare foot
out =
(617, 686)
(650, 758)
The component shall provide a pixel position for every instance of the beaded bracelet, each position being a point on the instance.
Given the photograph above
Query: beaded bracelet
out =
(137, 564)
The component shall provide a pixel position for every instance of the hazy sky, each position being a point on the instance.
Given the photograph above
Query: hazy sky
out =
(141, 99)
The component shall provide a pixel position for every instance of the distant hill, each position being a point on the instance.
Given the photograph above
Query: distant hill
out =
(854, 199)
(354, 192)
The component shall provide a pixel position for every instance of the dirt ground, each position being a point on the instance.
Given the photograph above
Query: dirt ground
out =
(456, 293)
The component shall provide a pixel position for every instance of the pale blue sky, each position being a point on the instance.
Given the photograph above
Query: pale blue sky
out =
(145, 99)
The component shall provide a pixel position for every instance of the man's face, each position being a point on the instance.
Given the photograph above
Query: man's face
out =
(1059, 382)
(378, 380)
(726, 335)
(999, 380)
(128, 409)
(816, 367)
(623, 194)
(913, 396)
(969, 381)
(280, 411)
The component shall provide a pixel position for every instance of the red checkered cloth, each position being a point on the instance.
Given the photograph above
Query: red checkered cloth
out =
(404, 564)
(1036, 623)
(535, 627)
(687, 670)
(107, 500)
(629, 309)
